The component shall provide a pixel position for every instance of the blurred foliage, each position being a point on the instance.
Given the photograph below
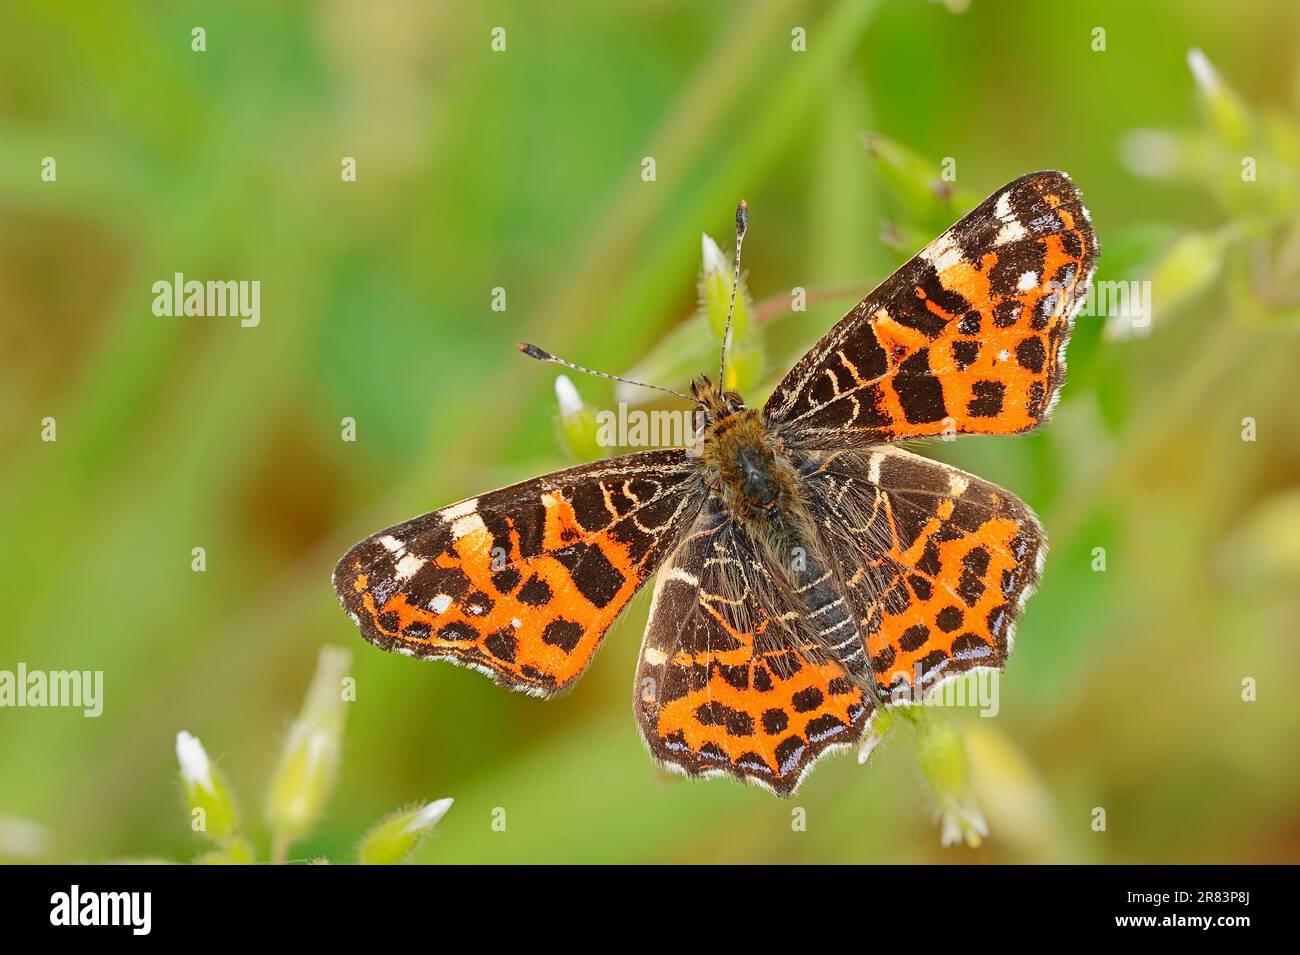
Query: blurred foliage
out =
(299, 788)
(522, 170)
(1258, 242)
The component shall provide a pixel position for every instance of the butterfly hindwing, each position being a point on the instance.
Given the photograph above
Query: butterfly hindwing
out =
(938, 562)
(521, 583)
(968, 337)
(721, 689)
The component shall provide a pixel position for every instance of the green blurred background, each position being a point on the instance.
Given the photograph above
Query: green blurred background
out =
(522, 170)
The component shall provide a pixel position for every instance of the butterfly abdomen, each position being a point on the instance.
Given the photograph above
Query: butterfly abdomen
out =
(829, 623)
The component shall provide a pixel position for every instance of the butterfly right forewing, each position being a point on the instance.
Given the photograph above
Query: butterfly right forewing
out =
(968, 337)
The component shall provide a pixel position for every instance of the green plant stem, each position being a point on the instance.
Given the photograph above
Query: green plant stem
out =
(777, 306)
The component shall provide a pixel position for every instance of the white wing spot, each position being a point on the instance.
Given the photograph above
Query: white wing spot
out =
(677, 573)
(1003, 207)
(873, 467)
(408, 565)
(1028, 281)
(1012, 229)
(469, 524)
(655, 657)
(942, 253)
(463, 509)
(1010, 232)
(393, 545)
(440, 603)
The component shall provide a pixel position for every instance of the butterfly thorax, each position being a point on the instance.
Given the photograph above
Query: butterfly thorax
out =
(744, 462)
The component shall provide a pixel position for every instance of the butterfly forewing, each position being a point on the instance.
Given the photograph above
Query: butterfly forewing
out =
(522, 583)
(968, 337)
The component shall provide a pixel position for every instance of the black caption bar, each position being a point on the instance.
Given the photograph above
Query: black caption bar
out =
(332, 903)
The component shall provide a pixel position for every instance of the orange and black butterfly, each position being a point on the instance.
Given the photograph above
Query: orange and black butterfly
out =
(807, 566)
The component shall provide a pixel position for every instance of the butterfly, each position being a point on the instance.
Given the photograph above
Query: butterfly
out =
(808, 568)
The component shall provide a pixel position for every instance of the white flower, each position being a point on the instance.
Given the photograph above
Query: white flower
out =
(714, 260)
(205, 791)
(877, 727)
(428, 816)
(567, 395)
(196, 769)
(962, 822)
(1207, 78)
(22, 838)
(309, 763)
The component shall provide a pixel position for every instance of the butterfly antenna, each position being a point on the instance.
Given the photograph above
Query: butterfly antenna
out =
(532, 351)
(742, 220)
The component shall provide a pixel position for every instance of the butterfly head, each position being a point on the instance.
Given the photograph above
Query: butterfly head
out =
(713, 401)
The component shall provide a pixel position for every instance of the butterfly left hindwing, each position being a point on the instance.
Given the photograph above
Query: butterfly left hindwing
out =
(936, 566)
(521, 583)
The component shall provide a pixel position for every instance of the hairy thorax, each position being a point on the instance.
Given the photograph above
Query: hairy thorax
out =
(746, 465)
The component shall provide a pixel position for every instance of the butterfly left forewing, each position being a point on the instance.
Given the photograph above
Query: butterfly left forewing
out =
(522, 583)
(721, 688)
